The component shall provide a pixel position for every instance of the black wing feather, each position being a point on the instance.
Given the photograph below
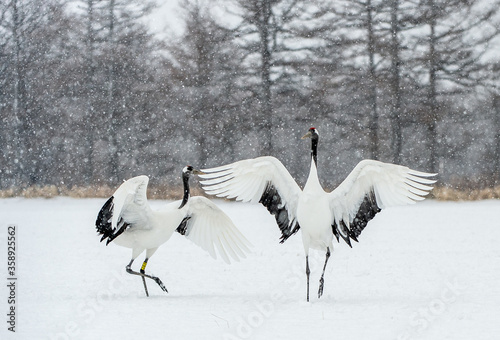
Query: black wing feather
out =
(366, 212)
(182, 228)
(272, 201)
(103, 222)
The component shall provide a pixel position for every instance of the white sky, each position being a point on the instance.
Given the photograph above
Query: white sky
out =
(165, 17)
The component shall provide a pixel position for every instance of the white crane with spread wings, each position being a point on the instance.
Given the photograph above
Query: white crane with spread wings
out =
(344, 212)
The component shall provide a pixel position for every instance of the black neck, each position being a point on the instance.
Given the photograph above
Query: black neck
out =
(314, 148)
(185, 180)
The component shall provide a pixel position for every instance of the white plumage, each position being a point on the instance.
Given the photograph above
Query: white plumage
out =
(127, 220)
(344, 212)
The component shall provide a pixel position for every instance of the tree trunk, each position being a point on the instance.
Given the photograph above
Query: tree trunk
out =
(89, 73)
(266, 100)
(114, 122)
(397, 138)
(21, 116)
(432, 97)
(496, 104)
(373, 127)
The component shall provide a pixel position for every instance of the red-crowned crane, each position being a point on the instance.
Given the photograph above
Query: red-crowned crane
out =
(344, 212)
(127, 220)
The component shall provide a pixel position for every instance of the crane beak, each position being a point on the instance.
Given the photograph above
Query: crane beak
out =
(198, 172)
(307, 135)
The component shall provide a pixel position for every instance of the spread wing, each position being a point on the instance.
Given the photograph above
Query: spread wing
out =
(370, 187)
(125, 209)
(264, 180)
(210, 228)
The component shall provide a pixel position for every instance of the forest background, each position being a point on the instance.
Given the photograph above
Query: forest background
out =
(90, 95)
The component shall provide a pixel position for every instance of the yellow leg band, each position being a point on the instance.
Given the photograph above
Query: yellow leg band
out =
(144, 265)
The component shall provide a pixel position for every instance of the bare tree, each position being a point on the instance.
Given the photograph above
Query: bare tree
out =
(206, 66)
(21, 20)
(357, 22)
(395, 19)
(458, 33)
(496, 141)
(121, 21)
(265, 32)
(372, 77)
(91, 88)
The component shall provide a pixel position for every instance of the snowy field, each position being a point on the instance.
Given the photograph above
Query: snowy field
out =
(427, 271)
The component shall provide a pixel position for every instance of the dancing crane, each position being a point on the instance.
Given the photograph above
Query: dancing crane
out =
(127, 220)
(344, 212)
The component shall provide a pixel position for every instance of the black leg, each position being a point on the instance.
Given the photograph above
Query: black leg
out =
(322, 280)
(307, 273)
(143, 278)
(145, 285)
(143, 275)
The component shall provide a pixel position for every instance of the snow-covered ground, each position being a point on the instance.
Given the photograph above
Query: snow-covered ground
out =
(427, 271)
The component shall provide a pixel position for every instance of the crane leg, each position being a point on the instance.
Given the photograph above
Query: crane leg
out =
(322, 280)
(307, 274)
(145, 285)
(143, 274)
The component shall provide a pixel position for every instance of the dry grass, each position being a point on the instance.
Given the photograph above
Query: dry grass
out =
(454, 194)
(50, 191)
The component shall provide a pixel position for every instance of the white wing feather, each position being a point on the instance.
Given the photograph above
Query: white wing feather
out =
(392, 185)
(130, 202)
(211, 229)
(248, 179)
